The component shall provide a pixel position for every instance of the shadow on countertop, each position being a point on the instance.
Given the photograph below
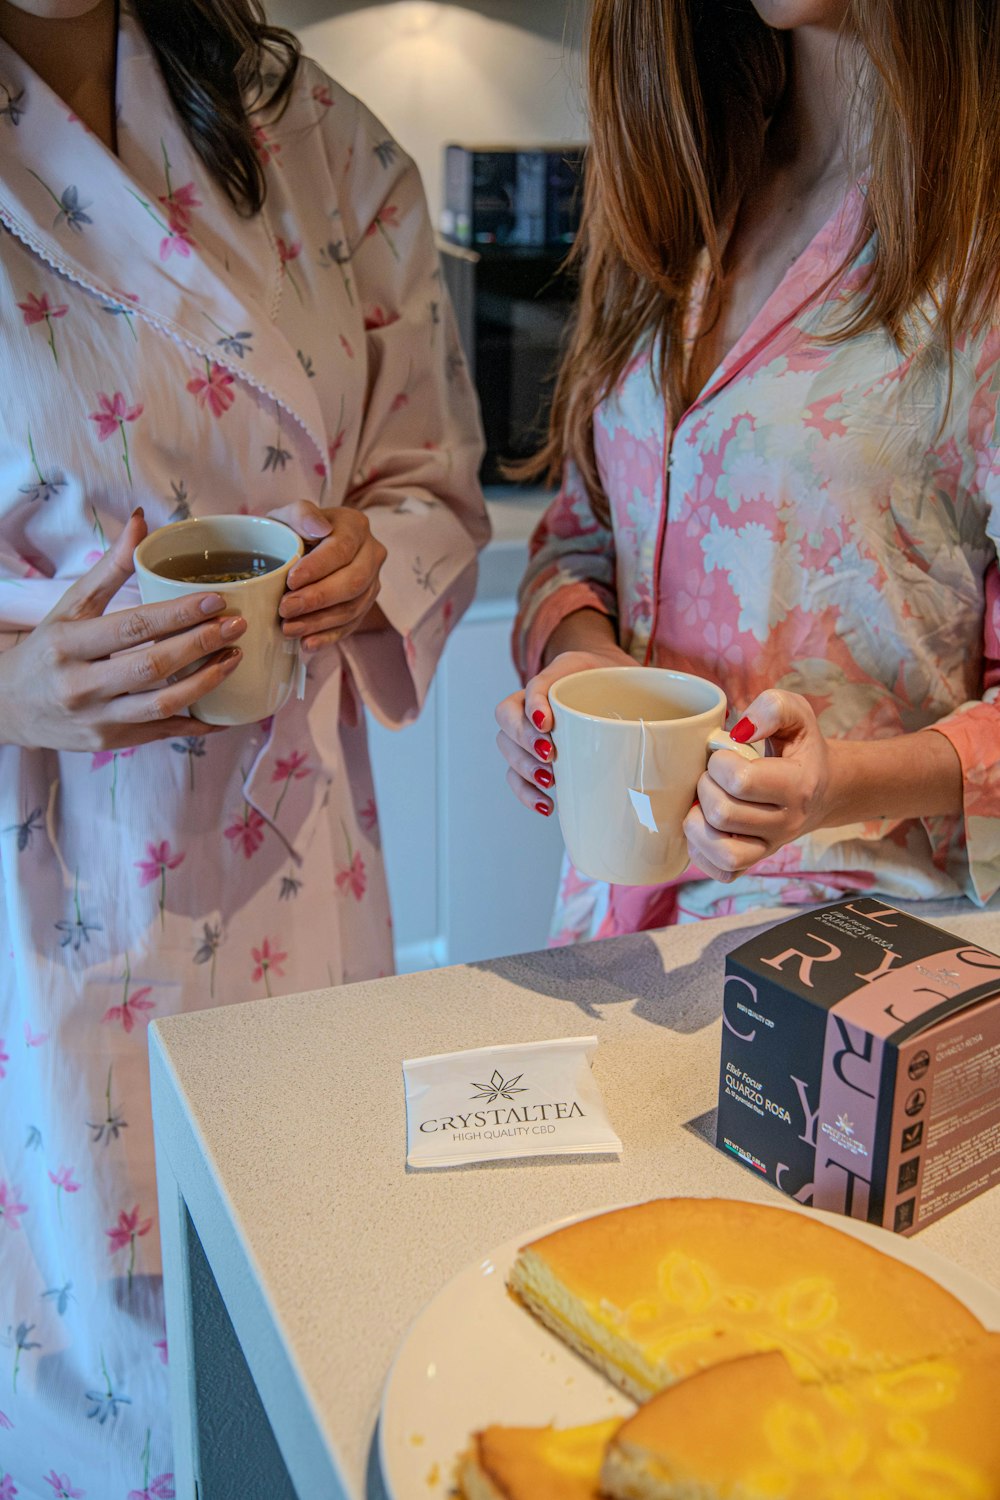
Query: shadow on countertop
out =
(628, 970)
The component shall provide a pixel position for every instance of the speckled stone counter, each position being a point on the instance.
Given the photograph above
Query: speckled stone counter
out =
(281, 1142)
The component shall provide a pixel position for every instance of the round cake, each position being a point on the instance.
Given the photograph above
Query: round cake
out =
(653, 1293)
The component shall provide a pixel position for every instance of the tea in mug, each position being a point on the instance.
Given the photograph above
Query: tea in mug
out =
(217, 566)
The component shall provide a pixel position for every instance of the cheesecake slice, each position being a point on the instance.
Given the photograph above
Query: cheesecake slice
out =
(750, 1428)
(653, 1293)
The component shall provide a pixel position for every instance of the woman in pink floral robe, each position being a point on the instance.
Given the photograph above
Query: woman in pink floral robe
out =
(802, 528)
(160, 349)
(817, 529)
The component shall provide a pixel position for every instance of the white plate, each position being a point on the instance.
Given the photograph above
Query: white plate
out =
(474, 1356)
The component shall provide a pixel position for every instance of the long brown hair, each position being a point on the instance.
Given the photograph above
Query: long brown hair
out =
(680, 95)
(222, 63)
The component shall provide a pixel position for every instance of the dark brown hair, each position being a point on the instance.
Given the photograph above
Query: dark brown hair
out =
(222, 63)
(680, 94)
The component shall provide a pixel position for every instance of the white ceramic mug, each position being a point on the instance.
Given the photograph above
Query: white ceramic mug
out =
(631, 743)
(266, 675)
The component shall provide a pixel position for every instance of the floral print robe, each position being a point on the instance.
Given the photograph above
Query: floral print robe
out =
(820, 520)
(159, 349)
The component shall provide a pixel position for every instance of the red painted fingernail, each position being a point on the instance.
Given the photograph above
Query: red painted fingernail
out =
(543, 777)
(743, 731)
(543, 749)
(138, 513)
(538, 718)
(544, 808)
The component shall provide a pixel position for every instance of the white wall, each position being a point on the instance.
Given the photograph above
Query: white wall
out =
(508, 71)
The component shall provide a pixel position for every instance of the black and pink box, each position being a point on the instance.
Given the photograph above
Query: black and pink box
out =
(861, 1063)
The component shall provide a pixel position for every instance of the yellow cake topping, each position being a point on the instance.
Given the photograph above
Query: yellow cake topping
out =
(652, 1293)
(536, 1463)
(749, 1428)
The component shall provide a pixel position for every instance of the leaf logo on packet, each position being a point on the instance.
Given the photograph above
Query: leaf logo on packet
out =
(553, 1109)
(497, 1088)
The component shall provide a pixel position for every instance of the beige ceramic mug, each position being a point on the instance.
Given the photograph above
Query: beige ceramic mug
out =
(631, 743)
(266, 675)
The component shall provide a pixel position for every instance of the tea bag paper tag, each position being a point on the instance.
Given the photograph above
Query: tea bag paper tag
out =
(527, 1099)
(643, 809)
(638, 796)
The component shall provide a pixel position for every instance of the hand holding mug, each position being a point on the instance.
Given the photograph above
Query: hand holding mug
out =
(334, 587)
(745, 810)
(525, 722)
(247, 560)
(87, 680)
(633, 743)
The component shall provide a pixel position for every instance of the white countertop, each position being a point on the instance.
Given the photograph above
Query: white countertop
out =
(286, 1128)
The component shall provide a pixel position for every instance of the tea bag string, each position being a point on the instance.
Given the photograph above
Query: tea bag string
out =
(642, 755)
(640, 799)
(642, 749)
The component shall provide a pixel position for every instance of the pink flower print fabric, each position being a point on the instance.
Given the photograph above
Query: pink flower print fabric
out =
(10, 1209)
(812, 524)
(268, 958)
(39, 310)
(161, 350)
(214, 390)
(110, 418)
(62, 1486)
(179, 204)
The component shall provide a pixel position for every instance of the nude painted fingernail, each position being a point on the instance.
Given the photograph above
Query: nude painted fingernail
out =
(290, 608)
(211, 604)
(233, 628)
(138, 514)
(545, 808)
(538, 718)
(229, 659)
(743, 731)
(316, 526)
(543, 749)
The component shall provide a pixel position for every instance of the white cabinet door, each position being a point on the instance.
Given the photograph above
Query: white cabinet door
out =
(501, 860)
(406, 785)
(472, 873)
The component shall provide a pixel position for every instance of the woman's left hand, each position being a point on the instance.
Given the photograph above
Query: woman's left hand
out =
(747, 809)
(334, 587)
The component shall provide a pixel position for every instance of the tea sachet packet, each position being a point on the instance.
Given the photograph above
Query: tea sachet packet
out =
(528, 1099)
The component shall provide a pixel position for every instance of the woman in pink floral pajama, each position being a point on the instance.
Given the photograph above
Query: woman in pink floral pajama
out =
(778, 435)
(164, 350)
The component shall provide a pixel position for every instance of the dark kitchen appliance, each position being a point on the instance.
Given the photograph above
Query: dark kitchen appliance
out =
(510, 219)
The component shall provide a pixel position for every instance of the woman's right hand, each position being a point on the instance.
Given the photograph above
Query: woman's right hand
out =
(86, 680)
(525, 720)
